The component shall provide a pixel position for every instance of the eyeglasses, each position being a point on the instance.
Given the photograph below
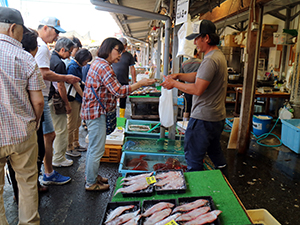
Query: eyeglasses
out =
(118, 50)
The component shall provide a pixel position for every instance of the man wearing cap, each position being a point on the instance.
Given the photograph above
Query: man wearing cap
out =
(121, 69)
(48, 31)
(208, 87)
(21, 107)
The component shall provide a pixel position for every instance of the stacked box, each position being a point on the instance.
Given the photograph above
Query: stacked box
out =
(112, 154)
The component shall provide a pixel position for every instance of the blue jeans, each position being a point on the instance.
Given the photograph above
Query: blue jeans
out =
(96, 148)
(203, 137)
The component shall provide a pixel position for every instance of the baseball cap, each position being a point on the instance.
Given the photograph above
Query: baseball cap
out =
(10, 15)
(52, 22)
(123, 40)
(202, 27)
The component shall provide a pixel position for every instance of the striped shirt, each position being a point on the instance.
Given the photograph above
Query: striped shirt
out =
(102, 77)
(18, 75)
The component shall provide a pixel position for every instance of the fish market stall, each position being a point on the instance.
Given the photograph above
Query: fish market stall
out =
(208, 186)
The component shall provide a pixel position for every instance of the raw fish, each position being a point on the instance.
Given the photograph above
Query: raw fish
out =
(157, 207)
(133, 221)
(168, 219)
(205, 218)
(193, 214)
(167, 174)
(158, 216)
(116, 212)
(123, 218)
(137, 176)
(141, 185)
(138, 162)
(189, 206)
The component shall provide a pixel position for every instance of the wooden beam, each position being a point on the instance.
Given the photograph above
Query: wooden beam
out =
(277, 15)
(249, 84)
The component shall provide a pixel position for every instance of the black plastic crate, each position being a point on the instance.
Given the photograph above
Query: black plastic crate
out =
(141, 193)
(161, 191)
(113, 205)
(210, 203)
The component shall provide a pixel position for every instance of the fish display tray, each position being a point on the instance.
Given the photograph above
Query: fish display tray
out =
(142, 193)
(155, 125)
(161, 191)
(113, 205)
(146, 204)
(210, 203)
(150, 158)
(153, 145)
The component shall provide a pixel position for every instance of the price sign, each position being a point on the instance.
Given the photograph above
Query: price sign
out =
(151, 180)
(172, 222)
(182, 11)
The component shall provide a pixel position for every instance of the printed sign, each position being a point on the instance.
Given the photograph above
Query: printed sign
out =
(182, 11)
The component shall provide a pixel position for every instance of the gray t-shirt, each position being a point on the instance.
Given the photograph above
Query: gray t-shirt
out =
(210, 106)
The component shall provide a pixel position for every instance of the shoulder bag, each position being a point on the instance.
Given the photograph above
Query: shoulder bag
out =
(59, 104)
(110, 116)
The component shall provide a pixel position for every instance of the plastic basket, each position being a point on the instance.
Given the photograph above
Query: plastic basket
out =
(262, 216)
(290, 134)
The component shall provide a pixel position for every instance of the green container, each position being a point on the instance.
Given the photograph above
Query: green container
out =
(121, 122)
(153, 145)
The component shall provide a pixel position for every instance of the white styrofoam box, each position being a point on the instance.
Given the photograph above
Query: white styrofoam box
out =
(115, 138)
(282, 39)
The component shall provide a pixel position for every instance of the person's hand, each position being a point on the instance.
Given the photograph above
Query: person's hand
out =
(71, 79)
(168, 83)
(146, 82)
(173, 76)
(68, 108)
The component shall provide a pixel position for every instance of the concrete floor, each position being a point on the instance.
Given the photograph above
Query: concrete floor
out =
(265, 177)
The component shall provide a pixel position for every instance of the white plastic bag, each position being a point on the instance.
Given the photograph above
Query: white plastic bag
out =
(185, 47)
(166, 112)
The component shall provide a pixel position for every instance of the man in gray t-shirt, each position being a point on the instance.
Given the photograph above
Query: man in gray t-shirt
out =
(208, 86)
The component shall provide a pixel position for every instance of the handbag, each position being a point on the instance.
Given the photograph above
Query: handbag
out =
(111, 121)
(59, 104)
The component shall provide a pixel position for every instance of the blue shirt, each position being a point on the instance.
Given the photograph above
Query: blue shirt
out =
(75, 70)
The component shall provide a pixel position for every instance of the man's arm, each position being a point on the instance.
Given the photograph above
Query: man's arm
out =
(188, 77)
(37, 101)
(52, 76)
(133, 74)
(63, 94)
(78, 89)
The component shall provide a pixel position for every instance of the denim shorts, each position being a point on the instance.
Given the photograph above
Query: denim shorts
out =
(47, 123)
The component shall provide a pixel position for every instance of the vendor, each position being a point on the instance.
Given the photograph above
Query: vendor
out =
(208, 86)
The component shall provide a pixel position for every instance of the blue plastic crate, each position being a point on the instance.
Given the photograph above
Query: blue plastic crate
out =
(151, 158)
(290, 134)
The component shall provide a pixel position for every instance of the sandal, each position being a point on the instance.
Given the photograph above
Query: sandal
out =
(97, 187)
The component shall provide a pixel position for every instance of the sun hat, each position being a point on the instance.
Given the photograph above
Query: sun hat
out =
(10, 15)
(52, 22)
(123, 40)
(202, 27)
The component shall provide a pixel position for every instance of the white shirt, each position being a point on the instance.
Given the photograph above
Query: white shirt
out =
(42, 58)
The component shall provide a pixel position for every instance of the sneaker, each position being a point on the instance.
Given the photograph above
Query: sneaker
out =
(55, 178)
(96, 187)
(80, 149)
(65, 163)
(73, 153)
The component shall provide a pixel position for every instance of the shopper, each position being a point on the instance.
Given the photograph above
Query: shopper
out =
(189, 66)
(208, 88)
(82, 57)
(77, 46)
(102, 78)
(121, 69)
(48, 31)
(21, 103)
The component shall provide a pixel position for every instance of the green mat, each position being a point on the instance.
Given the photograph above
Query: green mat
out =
(204, 183)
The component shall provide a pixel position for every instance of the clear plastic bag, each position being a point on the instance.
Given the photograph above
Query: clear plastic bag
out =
(166, 112)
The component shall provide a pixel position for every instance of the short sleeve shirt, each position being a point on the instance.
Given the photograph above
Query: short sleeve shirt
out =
(121, 68)
(18, 75)
(42, 58)
(210, 106)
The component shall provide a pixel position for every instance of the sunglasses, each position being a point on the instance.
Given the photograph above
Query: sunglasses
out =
(56, 31)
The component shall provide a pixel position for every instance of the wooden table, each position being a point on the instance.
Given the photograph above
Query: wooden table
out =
(275, 94)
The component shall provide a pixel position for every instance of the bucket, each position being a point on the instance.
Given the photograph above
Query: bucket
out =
(261, 124)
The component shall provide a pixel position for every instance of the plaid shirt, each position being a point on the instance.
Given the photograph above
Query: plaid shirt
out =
(18, 74)
(107, 87)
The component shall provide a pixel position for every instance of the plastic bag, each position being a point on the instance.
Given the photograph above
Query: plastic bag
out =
(185, 47)
(166, 112)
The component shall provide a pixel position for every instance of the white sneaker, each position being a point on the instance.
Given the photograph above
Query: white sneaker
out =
(65, 163)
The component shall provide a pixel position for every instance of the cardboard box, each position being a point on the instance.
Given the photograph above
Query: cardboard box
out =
(229, 41)
(270, 27)
(267, 39)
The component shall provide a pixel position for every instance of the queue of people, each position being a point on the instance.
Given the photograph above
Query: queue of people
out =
(33, 80)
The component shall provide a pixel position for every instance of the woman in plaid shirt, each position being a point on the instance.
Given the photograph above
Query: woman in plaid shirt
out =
(104, 81)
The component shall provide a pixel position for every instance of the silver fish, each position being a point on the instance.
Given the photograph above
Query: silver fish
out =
(123, 218)
(157, 207)
(116, 212)
(168, 219)
(193, 214)
(134, 187)
(189, 206)
(133, 221)
(158, 216)
(205, 218)
(137, 176)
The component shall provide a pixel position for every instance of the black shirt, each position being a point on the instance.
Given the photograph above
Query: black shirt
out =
(121, 68)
